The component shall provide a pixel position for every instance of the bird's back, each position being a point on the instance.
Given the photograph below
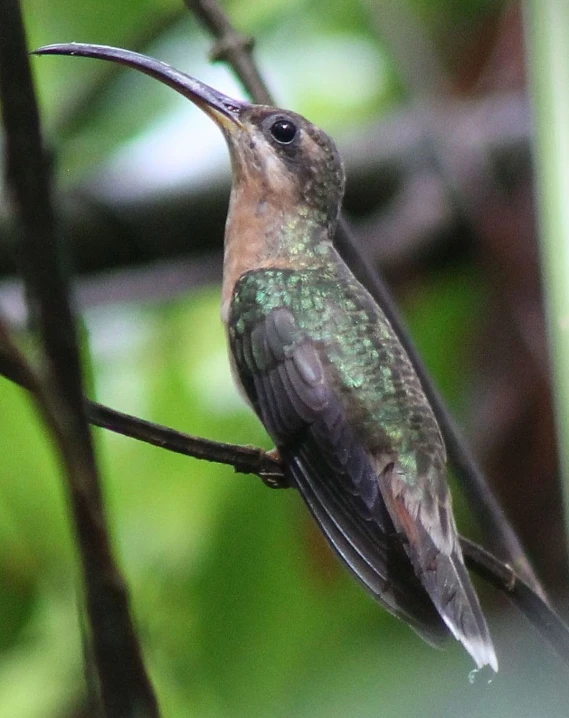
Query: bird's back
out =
(365, 361)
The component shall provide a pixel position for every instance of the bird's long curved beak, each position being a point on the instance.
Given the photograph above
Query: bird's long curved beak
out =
(222, 109)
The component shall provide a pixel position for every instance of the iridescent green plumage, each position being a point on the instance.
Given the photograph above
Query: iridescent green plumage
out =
(370, 369)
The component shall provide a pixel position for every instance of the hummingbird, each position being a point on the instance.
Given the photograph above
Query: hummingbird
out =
(318, 361)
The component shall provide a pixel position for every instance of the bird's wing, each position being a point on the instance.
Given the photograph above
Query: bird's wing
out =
(285, 375)
(422, 511)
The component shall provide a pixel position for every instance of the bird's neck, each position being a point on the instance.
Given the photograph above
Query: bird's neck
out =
(269, 234)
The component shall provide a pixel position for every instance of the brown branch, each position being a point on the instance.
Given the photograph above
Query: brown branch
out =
(244, 459)
(56, 385)
(475, 483)
(232, 47)
(521, 594)
(249, 460)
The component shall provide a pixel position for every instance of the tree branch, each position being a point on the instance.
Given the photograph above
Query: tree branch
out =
(244, 459)
(232, 47)
(56, 384)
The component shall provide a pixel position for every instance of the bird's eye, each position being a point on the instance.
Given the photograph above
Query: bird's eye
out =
(284, 131)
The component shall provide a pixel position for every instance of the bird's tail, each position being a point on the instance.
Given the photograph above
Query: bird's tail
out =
(454, 597)
(434, 549)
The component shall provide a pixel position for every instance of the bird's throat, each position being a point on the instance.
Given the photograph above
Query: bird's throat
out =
(265, 233)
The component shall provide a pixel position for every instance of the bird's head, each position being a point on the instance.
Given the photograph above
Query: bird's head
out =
(278, 157)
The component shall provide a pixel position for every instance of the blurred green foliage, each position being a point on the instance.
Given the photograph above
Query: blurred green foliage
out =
(241, 608)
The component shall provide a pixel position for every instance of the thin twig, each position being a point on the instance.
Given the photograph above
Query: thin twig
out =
(244, 459)
(57, 384)
(520, 593)
(460, 455)
(232, 47)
